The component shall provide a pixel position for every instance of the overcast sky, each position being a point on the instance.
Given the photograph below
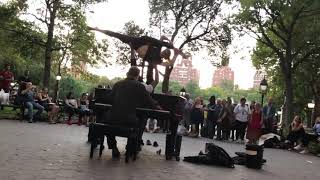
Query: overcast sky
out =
(113, 14)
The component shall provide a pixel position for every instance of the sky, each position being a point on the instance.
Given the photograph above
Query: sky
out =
(115, 13)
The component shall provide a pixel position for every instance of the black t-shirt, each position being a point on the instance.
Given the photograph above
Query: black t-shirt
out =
(24, 79)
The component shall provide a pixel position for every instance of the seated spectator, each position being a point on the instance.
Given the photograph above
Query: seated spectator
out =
(29, 102)
(309, 137)
(297, 132)
(84, 109)
(45, 101)
(71, 107)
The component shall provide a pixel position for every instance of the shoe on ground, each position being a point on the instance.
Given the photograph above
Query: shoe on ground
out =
(298, 147)
(149, 143)
(155, 144)
(115, 153)
(30, 121)
(159, 152)
(304, 151)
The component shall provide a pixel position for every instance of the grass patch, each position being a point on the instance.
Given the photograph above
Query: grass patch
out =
(10, 113)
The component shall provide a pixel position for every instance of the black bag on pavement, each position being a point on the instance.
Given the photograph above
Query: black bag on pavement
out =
(215, 156)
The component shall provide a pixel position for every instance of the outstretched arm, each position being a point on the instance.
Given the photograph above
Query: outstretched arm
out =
(124, 38)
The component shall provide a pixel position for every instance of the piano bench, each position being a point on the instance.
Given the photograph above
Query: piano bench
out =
(100, 130)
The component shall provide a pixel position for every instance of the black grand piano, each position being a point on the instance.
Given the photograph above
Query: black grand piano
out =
(171, 113)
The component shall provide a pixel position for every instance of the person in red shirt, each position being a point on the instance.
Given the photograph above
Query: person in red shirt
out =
(6, 77)
(255, 124)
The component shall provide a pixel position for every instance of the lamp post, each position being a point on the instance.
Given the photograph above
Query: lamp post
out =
(56, 90)
(311, 107)
(182, 92)
(263, 88)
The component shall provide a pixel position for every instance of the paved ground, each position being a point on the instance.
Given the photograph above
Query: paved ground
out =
(42, 151)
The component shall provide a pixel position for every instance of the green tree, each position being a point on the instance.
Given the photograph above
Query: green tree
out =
(279, 27)
(192, 25)
(59, 17)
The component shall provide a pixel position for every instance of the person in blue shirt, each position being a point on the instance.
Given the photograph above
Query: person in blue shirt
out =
(29, 102)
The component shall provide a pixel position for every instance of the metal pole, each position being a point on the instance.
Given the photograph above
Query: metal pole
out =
(262, 96)
(56, 89)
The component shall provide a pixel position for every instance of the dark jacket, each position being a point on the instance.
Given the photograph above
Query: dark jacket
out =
(271, 114)
(126, 96)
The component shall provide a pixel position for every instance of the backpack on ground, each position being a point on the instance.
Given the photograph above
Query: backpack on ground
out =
(215, 156)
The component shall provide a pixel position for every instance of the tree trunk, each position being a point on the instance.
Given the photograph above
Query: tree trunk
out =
(49, 44)
(289, 100)
(166, 79)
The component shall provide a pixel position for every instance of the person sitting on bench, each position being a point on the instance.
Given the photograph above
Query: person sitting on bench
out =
(126, 96)
(29, 96)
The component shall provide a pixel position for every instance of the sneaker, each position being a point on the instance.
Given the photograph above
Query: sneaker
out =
(30, 121)
(155, 144)
(304, 151)
(115, 153)
(298, 147)
(148, 142)
(158, 152)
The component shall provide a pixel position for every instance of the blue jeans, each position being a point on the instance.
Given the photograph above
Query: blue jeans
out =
(31, 106)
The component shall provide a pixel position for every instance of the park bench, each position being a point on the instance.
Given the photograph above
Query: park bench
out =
(21, 109)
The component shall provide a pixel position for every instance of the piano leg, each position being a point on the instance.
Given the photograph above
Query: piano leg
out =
(177, 147)
(101, 145)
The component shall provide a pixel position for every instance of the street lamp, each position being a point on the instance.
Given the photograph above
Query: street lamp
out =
(56, 89)
(311, 107)
(263, 88)
(182, 92)
(58, 77)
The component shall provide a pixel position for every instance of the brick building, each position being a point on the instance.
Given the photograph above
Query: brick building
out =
(221, 74)
(183, 72)
(258, 76)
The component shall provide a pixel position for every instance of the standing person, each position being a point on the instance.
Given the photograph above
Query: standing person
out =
(187, 111)
(126, 96)
(25, 77)
(196, 117)
(29, 96)
(255, 124)
(252, 105)
(241, 113)
(6, 77)
(211, 117)
(223, 122)
(230, 108)
(269, 112)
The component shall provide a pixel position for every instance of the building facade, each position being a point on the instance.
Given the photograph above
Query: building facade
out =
(221, 74)
(184, 72)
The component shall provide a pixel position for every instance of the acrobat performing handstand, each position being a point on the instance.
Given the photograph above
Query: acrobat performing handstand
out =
(147, 48)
